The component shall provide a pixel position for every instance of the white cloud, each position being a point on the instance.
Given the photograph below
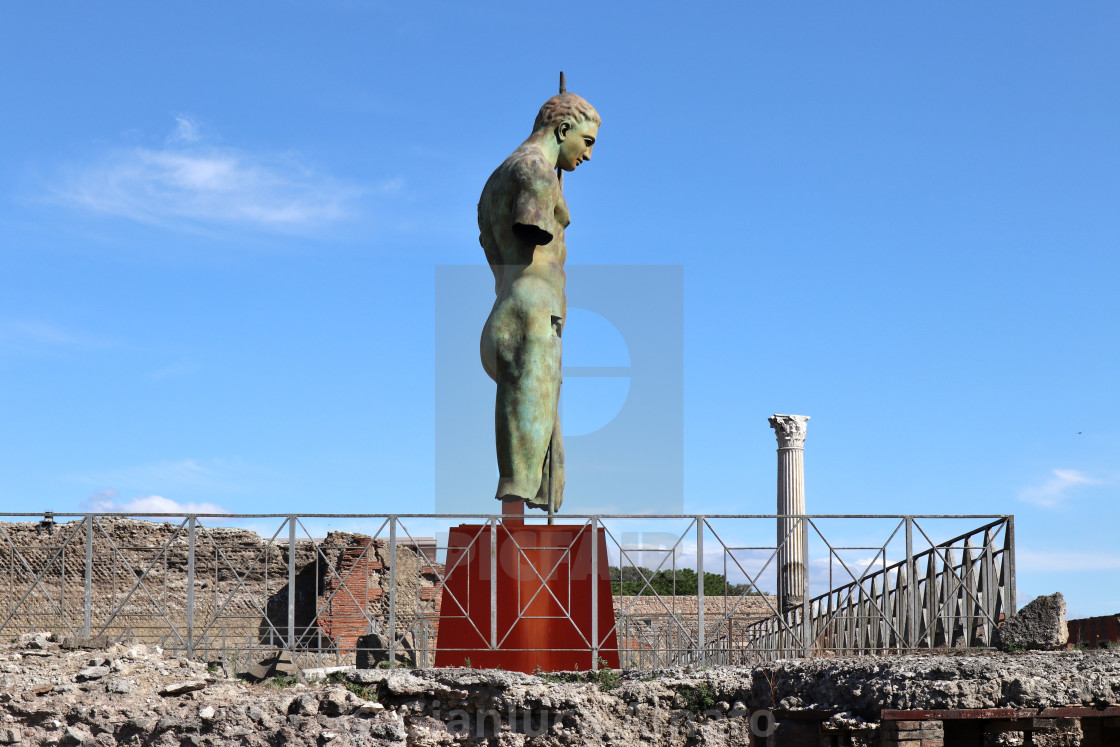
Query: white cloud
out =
(105, 501)
(188, 183)
(1055, 490)
(186, 130)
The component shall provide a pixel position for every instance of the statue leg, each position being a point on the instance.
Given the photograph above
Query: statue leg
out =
(552, 473)
(525, 409)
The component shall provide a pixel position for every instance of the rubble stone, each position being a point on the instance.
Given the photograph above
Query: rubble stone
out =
(180, 688)
(92, 673)
(77, 642)
(472, 708)
(1039, 626)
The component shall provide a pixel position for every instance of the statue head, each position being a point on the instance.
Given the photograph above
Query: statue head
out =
(565, 106)
(575, 124)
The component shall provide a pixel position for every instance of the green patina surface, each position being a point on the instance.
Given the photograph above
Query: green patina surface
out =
(521, 219)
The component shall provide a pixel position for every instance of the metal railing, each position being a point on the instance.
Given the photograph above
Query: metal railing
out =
(952, 594)
(689, 589)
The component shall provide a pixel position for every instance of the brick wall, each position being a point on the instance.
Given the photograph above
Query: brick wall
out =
(913, 734)
(354, 581)
(1094, 632)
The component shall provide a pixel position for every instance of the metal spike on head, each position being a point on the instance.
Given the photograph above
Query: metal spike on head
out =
(559, 171)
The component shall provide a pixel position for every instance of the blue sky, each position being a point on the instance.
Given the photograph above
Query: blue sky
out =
(221, 227)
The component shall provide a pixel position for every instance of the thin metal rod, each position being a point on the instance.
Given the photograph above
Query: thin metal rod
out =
(88, 598)
(594, 585)
(911, 587)
(392, 591)
(190, 585)
(700, 521)
(493, 584)
(1009, 548)
(998, 518)
(560, 173)
(292, 584)
(806, 605)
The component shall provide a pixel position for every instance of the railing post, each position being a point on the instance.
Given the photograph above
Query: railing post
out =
(494, 583)
(190, 586)
(806, 626)
(1009, 545)
(594, 594)
(700, 632)
(392, 591)
(292, 585)
(911, 588)
(87, 604)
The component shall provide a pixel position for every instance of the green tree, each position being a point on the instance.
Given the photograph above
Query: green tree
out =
(638, 581)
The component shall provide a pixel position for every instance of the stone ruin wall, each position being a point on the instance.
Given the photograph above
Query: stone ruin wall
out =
(229, 613)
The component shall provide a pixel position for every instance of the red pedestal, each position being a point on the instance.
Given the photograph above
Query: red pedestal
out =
(543, 586)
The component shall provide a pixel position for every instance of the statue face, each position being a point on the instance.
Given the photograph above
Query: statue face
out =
(576, 142)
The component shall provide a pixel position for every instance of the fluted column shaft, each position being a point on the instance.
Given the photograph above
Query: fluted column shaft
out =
(793, 534)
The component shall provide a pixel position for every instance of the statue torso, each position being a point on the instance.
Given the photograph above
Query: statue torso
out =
(524, 189)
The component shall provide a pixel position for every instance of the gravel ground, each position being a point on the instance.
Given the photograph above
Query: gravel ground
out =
(136, 695)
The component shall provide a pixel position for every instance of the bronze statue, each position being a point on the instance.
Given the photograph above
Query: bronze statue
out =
(521, 220)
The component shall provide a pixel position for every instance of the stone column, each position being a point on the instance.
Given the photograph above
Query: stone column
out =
(793, 534)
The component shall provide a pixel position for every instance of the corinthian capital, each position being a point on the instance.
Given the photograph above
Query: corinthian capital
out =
(790, 430)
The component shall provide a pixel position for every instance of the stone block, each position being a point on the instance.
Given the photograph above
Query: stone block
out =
(71, 643)
(373, 651)
(278, 664)
(903, 730)
(92, 673)
(1041, 625)
(913, 734)
(181, 688)
(905, 725)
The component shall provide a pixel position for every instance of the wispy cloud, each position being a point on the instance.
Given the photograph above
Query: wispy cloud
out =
(187, 182)
(106, 501)
(182, 476)
(1055, 491)
(186, 130)
(30, 335)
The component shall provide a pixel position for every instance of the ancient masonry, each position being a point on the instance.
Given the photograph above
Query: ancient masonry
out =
(137, 694)
(139, 589)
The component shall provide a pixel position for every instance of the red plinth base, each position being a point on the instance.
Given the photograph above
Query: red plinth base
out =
(544, 611)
